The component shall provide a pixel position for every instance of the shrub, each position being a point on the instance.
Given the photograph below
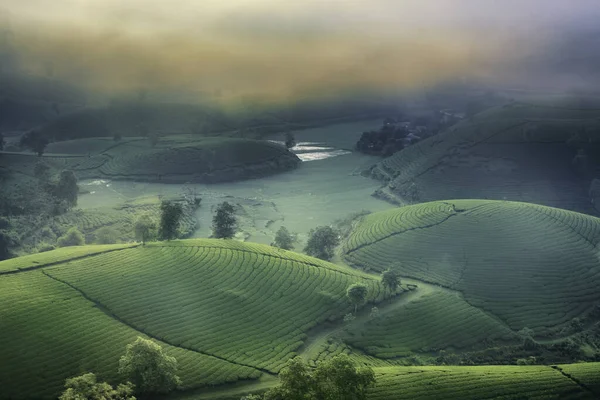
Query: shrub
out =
(107, 235)
(86, 387)
(322, 242)
(73, 237)
(46, 247)
(527, 361)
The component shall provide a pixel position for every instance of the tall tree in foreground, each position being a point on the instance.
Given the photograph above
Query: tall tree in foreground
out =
(337, 378)
(170, 216)
(357, 294)
(322, 242)
(224, 221)
(149, 368)
(86, 387)
(390, 280)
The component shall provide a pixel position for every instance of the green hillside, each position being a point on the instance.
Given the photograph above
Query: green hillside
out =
(527, 265)
(486, 382)
(482, 382)
(226, 310)
(518, 152)
(436, 321)
(176, 159)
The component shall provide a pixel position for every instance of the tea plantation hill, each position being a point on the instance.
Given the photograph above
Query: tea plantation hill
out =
(522, 151)
(232, 313)
(226, 310)
(175, 159)
(499, 266)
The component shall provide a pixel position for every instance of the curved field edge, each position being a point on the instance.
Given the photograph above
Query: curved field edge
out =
(50, 332)
(58, 256)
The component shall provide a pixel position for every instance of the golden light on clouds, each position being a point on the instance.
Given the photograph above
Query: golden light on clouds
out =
(274, 49)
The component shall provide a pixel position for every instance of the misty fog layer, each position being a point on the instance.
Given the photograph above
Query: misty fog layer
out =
(281, 50)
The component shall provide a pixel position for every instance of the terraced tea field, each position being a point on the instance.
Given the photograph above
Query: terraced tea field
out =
(436, 321)
(50, 332)
(226, 310)
(519, 152)
(528, 265)
(485, 382)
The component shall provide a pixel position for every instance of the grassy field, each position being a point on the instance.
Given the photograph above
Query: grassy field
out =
(227, 310)
(519, 152)
(531, 266)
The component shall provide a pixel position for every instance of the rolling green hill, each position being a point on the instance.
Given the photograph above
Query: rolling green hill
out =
(175, 159)
(226, 310)
(526, 265)
(523, 151)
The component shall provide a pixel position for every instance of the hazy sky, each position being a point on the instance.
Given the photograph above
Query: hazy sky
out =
(283, 48)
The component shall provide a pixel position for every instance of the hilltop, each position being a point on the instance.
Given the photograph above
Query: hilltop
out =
(529, 150)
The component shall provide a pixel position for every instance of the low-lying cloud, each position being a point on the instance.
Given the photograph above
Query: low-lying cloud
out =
(277, 49)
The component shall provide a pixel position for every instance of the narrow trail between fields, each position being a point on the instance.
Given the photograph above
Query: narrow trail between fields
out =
(318, 337)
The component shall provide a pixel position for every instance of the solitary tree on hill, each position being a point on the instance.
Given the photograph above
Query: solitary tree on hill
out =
(145, 228)
(322, 242)
(35, 141)
(357, 294)
(149, 368)
(224, 221)
(283, 239)
(170, 216)
(390, 280)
